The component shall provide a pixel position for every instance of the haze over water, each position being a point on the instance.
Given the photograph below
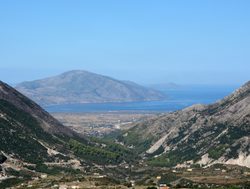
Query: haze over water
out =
(178, 98)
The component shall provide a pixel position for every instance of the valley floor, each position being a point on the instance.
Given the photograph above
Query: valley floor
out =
(101, 123)
(142, 177)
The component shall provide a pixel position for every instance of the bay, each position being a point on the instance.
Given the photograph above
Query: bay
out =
(178, 98)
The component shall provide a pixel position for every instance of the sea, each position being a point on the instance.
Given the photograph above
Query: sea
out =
(177, 98)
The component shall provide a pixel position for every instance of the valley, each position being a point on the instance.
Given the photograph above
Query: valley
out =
(124, 94)
(122, 149)
(101, 123)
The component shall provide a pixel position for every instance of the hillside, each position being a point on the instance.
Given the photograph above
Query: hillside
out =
(36, 151)
(216, 133)
(27, 132)
(12, 100)
(31, 135)
(84, 87)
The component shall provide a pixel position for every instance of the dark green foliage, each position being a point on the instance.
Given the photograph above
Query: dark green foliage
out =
(217, 152)
(174, 157)
(110, 145)
(25, 174)
(19, 133)
(196, 166)
(2, 158)
(108, 154)
(233, 151)
(53, 170)
(168, 178)
(133, 138)
(29, 124)
(10, 182)
(162, 161)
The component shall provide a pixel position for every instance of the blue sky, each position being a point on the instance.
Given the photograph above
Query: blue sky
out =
(186, 42)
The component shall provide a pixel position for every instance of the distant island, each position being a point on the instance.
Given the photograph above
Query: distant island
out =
(80, 86)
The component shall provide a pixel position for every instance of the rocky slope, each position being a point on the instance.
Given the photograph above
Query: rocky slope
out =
(49, 124)
(217, 133)
(85, 87)
(31, 135)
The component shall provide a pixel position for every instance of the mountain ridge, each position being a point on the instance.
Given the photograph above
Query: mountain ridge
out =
(49, 124)
(205, 134)
(80, 86)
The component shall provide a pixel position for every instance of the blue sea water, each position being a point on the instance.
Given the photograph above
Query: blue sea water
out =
(178, 98)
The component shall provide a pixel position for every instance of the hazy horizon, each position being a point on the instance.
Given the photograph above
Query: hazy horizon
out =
(192, 42)
(152, 84)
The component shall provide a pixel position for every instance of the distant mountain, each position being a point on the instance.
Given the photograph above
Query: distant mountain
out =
(200, 134)
(84, 87)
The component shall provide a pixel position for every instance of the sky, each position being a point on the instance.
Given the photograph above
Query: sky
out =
(161, 41)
